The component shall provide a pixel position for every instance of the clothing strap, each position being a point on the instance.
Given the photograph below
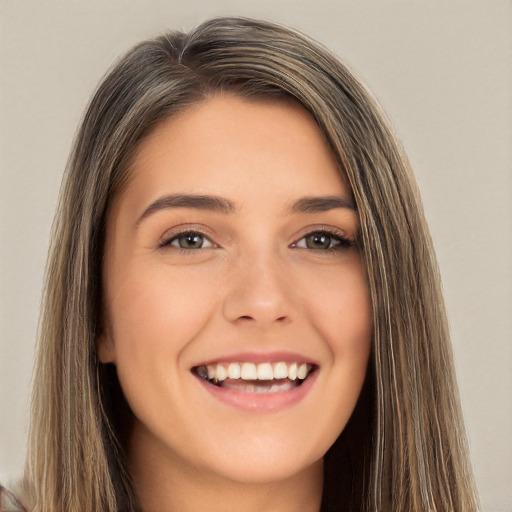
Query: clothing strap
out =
(9, 502)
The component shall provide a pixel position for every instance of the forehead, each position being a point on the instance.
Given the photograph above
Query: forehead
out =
(233, 147)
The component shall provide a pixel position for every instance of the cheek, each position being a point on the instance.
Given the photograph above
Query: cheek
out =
(158, 310)
(339, 311)
(354, 320)
(153, 316)
(342, 313)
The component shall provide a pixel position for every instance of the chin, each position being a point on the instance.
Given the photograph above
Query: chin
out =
(266, 471)
(264, 459)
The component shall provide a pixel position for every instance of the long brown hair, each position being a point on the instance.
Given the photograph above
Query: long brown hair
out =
(404, 448)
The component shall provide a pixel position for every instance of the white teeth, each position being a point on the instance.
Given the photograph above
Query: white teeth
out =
(255, 372)
(249, 372)
(302, 371)
(292, 371)
(265, 371)
(280, 371)
(264, 387)
(221, 373)
(234, 371)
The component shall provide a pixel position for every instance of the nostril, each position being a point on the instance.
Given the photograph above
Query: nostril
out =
(281, 319)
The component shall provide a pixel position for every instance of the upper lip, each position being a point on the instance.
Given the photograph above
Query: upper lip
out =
(259, 357)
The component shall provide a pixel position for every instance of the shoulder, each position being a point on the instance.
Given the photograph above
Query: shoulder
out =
(9, 502)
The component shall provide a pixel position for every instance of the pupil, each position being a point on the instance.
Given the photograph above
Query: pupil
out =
(191, 241)
(319, 241)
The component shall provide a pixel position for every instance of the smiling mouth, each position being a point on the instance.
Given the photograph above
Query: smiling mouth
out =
(255, 378)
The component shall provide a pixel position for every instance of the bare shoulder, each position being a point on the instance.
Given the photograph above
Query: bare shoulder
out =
(9, 502)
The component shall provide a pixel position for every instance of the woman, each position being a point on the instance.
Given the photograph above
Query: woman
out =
(242, 307)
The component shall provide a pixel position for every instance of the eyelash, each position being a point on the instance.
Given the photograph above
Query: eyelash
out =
(168, 242)
(341, 241)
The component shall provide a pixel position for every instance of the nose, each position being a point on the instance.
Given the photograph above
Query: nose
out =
(259, 294)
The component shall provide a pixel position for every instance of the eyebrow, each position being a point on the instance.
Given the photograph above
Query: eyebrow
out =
(199, 202)
(222, 205)
(321, 204)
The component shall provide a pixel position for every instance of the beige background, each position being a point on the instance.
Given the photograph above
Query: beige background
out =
(443, 72)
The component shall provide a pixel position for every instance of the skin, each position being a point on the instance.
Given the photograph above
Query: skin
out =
(254, 286)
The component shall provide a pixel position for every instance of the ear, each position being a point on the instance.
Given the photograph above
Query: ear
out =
(105, 348)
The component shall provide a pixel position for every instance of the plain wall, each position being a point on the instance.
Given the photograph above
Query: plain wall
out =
(442, 70)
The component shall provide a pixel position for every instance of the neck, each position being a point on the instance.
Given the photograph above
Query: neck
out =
(170, 484)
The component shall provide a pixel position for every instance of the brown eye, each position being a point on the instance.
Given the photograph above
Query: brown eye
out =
(323, 241)
(318, 241)
(190, 241)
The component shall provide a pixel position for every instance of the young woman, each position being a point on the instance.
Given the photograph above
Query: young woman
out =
(243, 308)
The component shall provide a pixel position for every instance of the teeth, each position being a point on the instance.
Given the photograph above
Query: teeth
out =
(265, 371)
(234, 371)
(202, 372)
(302, 371)
(249, 372)
(221, 373)
(280, 371)
(264, 387)
(255, 372)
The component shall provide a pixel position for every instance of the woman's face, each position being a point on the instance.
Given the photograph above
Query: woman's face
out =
(236, 308)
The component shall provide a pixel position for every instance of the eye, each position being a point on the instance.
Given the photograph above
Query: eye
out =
(188, 240)
(323, 241)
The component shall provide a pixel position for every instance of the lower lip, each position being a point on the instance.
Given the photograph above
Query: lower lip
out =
(260, 402)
